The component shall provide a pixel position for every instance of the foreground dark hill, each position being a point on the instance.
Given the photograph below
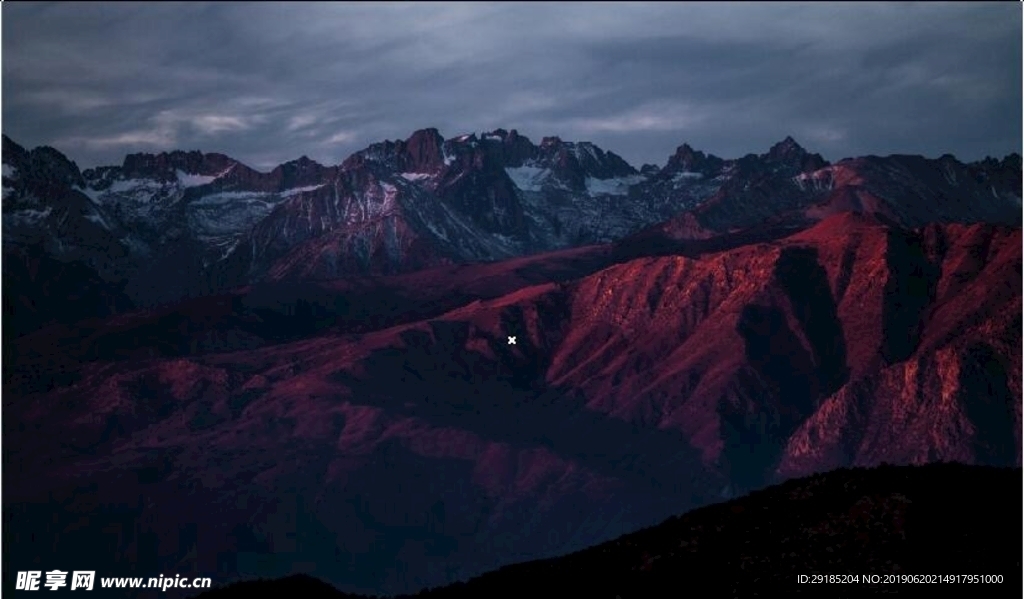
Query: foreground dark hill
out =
(432, 450)
(942, 519)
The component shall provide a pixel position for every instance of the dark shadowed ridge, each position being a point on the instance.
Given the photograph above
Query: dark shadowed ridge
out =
(885, 520)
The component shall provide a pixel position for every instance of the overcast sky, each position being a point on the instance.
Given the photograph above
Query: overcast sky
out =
(267, 83)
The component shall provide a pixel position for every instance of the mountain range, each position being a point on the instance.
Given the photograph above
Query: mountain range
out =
(212, 369)
(169, 226)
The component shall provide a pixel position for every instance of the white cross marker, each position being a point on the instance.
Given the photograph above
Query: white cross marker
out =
(512, 340)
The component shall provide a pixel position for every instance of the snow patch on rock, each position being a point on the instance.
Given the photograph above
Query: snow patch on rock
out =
(229, 196)
(27, 216)
(297, 190)
(616, 186)
(189, 180)
(134, 185)
(528, 178)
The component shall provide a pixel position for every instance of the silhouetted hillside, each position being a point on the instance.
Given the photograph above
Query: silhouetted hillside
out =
(941, 519)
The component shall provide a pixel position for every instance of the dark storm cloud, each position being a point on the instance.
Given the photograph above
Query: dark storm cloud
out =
(267, 83)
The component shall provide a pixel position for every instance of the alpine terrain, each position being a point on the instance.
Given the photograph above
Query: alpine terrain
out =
(445, 356)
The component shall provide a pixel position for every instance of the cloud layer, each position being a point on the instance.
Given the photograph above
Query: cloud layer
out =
(267, 83)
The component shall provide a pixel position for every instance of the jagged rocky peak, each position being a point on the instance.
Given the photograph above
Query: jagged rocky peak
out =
(685, 152)
(573, 162)
(949, 162)
(426, 151)
(1004, 174)
(492, 150)
(382, 152)
(423, 151)
(1008, 162)
(785, 148)
(987, 162)
(514, 137)
(12, 152)
(649, 170)
(300, 172)
(303, 164)
(164, 166)
(791, 153)
(502, 135)
(465, 138)
(600, 163)
(688, 160)
(509, 147)
(42, 165)
(49, 159)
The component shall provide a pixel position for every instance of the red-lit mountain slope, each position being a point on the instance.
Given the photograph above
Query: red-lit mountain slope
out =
(275, 312)
(413, 455)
